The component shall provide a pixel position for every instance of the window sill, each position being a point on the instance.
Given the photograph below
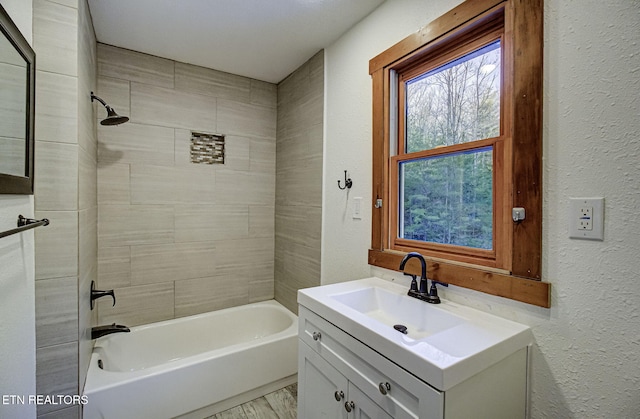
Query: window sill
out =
(528, 291)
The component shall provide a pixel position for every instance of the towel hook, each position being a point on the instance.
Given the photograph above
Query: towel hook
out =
(347, 182)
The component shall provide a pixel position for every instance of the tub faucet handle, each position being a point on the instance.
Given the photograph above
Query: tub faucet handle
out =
(95, 294)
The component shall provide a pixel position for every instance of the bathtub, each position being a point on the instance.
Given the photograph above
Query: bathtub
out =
(193, 366)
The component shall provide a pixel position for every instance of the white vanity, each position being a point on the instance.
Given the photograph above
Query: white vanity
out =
(452, 362)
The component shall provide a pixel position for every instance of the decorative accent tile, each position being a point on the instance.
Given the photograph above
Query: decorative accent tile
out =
(207, 148)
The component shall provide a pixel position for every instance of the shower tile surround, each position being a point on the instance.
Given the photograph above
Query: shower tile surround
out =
(299, 181)
(65, 192)
(177, 238)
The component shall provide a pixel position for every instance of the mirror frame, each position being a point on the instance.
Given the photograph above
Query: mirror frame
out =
(12, 184)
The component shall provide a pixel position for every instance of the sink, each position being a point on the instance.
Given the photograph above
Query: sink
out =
(393, 309)
(445, 343)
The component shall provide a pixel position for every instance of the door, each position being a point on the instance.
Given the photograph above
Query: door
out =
(362, 407)
(322, 389)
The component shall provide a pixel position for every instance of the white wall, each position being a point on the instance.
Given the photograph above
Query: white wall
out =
(585, 360)
(17, 308)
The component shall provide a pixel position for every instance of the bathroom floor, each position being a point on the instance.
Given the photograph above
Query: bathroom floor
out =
(281, 404)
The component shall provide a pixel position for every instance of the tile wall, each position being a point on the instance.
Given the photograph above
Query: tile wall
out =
(177, 238)
(65, 193)
(299, 181)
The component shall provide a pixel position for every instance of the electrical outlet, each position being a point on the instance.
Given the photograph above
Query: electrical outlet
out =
(586, 218)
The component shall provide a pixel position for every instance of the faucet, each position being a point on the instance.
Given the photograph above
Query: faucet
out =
(421, 292)
(95, 294)
(100, 331)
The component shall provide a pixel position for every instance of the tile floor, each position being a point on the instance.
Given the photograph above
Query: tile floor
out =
(280, 404)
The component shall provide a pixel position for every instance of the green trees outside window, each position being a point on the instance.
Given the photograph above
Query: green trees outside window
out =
(448, 198)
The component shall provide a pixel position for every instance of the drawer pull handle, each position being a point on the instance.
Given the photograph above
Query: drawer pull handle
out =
(339, 395)
(349, 406)
(384, 388)
(316, 336)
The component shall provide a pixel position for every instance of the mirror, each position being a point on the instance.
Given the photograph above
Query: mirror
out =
(17, 93)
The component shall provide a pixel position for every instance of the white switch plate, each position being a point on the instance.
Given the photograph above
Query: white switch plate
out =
(357, 208)
(586, 218)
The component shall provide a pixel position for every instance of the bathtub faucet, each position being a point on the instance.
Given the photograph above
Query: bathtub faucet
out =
(100, 331)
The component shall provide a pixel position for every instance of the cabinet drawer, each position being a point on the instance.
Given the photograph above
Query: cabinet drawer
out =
(398, 392)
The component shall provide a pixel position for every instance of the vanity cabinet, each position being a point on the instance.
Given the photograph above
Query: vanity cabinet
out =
(340, 377)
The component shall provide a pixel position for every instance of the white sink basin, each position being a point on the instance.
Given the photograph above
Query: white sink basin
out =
(393, 309)
(445, 343)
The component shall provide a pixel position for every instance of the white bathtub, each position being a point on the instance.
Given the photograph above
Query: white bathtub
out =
(206, 361)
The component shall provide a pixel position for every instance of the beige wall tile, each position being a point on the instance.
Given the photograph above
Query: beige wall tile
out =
(296, 267)
(87, 180)
(134, 66)
(298, 214)
(261, 287)
(247, 120)
(87, 130)
(116, 92)
(194, 296)
(154, 105)
(56, 372)
(114, 267)
(244, 188)
(263, 156)
(261, 221)
(194, 79)
(237, 153)
(126, 225)
(56, 107)
(73, 412)
(113, 184)
(138, 305)
(136, 143)
(87, 81)
(140, 183)
(70, 3)
(172, 184)
(56, 311)
(56, 245)
(85, 322)
(300, 185)
(299, 224)
(172, 262)
(56, 176)
(55, 37)
(245, 259)
(211, 222)
(88, 243)
(264, 94)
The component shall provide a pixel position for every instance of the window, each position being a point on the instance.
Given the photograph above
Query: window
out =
(457, 145)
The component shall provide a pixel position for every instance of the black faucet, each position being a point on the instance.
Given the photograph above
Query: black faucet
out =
(421, 292)
(100, 331)
(95, 294)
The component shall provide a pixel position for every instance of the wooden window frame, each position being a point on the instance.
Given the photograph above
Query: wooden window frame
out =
(517, 273)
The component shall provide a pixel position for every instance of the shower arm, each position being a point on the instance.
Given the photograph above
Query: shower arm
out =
(99, 100)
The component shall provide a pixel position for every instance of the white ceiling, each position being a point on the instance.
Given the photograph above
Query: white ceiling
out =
(261, 39)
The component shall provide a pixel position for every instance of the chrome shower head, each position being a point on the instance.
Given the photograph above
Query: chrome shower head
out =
(112, 117)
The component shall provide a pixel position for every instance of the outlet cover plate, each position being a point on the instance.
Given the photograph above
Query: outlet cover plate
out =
(586, 218)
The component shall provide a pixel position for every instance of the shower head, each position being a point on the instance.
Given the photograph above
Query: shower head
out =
(112, 117)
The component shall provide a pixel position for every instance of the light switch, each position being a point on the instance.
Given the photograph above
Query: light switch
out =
(357, 208)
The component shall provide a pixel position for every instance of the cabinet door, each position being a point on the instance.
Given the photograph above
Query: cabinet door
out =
(322, 389)
(362, 407)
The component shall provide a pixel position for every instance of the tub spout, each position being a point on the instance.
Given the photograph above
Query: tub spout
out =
(100, 331)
